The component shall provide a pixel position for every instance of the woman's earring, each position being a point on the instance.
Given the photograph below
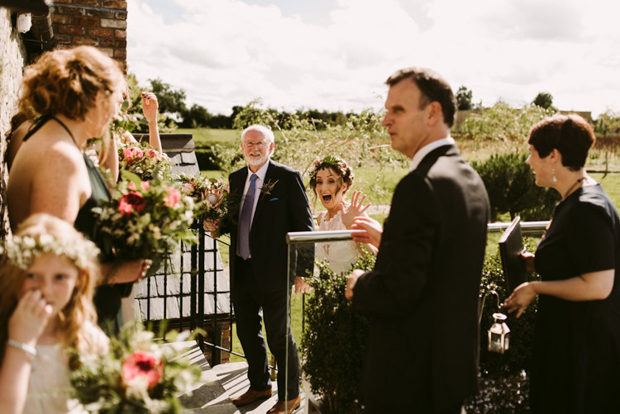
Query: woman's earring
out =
(553, 177)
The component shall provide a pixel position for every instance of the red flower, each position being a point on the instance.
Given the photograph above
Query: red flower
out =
(132, 153)
(142, 365)
(131, 202)
(173, 197)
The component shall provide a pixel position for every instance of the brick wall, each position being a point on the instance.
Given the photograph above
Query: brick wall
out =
(100, 23)
(12, 61)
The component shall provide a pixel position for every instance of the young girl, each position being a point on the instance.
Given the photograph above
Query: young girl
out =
(47, 281)
(330, 180)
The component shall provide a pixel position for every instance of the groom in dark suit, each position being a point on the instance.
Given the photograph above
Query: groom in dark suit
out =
(272, 202)
(422, 296)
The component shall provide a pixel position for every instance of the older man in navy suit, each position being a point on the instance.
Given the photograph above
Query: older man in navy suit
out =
(272, 201)
(422, 296)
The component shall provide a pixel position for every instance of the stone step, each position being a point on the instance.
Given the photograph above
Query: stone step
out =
(222, 382)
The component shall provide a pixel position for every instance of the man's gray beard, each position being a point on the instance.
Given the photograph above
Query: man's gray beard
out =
(260, 161)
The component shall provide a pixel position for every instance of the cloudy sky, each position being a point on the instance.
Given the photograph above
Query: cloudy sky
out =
(336, 54)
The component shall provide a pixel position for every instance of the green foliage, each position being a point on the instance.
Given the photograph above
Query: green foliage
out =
(334, 341)
(195, 117)
(608, 123)
(544, 100)
(512, 188)
(504, 385)
(300, 141)
(501, 394)
(501, 122)
(134, 376)
(517, 358)
(170, 100)
(464, 99)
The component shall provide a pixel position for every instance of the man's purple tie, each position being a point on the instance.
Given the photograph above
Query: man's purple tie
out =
(246, 219)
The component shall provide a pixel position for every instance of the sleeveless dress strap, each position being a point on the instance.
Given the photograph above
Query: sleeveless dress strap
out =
(38, 123)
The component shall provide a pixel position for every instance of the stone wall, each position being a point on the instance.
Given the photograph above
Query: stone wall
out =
(100, 23)
(12, 62)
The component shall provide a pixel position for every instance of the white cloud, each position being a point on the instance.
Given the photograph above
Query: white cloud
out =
(228, 52)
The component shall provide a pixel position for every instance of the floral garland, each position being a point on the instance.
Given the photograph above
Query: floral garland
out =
(23, 250)
(328, 162)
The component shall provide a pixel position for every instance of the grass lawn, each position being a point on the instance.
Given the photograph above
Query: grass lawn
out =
(205, 137)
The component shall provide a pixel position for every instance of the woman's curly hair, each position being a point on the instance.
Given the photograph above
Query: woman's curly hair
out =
(67, 82)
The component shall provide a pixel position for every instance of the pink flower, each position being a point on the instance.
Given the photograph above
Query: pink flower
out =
(131, 202)
(173, 197)
(146, 185)
(151, 153)
(132, 153)
(317, 163)
(131, 186)
(142, 365)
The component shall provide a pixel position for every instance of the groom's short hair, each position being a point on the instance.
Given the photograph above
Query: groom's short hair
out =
(433, 88)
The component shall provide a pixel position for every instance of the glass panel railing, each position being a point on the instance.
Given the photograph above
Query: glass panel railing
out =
(301, 254)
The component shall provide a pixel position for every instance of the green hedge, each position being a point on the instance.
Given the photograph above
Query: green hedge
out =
(512, 188)
(334, 341)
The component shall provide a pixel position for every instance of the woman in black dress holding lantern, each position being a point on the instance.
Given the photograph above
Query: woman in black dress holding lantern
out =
(576, 355)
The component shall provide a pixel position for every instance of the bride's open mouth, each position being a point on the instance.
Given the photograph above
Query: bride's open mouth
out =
(327, 198)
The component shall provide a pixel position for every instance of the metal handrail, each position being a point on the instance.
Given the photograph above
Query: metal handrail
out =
(298, 237)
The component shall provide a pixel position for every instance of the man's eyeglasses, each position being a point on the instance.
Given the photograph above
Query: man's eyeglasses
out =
(260, 144)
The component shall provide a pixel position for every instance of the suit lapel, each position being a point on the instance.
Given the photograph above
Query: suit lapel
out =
(269, 178)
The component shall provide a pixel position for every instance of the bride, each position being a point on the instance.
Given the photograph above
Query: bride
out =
(330, 179)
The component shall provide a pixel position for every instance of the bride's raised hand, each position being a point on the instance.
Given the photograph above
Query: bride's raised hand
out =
(355, 209)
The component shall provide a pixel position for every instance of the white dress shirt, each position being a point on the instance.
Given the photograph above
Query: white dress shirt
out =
(425, 150)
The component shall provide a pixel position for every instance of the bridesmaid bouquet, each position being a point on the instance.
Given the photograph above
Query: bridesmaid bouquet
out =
(144, 219)
(210, 197)
(144, 161)
(135, 375)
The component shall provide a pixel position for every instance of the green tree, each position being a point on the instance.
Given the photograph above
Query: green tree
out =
(170, 100)
(464, 99)
(608, 123)
(544, 100)
(196, 117)
(501, 122)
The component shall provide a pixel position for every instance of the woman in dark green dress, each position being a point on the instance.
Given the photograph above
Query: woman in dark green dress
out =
(76, 92)
(576, 347)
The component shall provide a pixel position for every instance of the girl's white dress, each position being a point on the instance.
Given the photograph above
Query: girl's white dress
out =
(49, 389)
(340, 255)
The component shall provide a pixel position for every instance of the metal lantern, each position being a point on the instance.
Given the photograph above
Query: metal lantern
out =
(499, 334)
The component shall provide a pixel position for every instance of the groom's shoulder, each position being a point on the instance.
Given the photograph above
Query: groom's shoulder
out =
(283, 169)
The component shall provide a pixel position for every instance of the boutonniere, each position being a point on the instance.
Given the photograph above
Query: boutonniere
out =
(267, 188)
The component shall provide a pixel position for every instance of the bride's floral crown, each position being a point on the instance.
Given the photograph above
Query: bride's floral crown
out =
(22, 250)
(328, 162)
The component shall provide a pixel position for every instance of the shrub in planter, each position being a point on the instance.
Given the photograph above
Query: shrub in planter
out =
(334, 341)
(512, 188)
(504, 385)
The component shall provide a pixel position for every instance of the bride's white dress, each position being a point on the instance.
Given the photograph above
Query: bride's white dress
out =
(340, 255)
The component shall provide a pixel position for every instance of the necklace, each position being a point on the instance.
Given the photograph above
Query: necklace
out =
(572, 187)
